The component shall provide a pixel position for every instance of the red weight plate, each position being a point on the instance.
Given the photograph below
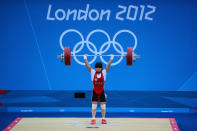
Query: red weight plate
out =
(129, 55)
(67, 56)
(3, 91)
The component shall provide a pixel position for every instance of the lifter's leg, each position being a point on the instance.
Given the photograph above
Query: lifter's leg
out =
(103, 111)
(94, 106)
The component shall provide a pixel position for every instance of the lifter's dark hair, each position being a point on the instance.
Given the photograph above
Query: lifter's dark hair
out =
(98, 65)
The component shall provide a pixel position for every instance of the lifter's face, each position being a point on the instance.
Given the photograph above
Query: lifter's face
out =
(98, 70)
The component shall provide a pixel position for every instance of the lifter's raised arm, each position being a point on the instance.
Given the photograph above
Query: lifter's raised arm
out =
(87, 64)
(109, 63)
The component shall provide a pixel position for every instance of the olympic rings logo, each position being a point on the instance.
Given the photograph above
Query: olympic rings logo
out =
(95, 51)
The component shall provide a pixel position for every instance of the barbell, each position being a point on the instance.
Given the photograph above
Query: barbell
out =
(66, 56)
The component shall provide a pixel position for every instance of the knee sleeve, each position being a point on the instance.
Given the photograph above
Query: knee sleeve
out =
(103, 106)
(94, 106)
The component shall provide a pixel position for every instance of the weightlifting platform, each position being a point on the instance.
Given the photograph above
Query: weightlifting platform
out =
(83, 124)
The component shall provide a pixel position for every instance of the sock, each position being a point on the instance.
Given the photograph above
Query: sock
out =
(103, 118)
(93, 118)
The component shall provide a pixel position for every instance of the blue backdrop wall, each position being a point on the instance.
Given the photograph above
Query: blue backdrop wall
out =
(162, 32)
